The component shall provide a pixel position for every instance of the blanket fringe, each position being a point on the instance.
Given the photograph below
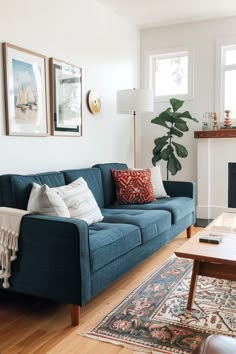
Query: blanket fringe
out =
(8, 249)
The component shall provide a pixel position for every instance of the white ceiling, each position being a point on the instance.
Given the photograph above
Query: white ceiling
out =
(152, 13)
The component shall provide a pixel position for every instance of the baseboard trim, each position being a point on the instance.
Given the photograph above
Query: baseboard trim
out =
(212, 211)
(202, 222)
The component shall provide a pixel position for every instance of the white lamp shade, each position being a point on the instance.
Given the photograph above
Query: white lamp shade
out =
(134, 100)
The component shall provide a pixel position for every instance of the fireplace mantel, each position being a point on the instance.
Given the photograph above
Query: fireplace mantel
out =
(220, 133)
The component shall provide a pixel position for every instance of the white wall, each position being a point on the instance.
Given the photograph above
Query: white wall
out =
(86, 34)
(202, 37)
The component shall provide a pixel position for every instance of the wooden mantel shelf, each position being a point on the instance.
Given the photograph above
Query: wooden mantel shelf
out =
(220, 133)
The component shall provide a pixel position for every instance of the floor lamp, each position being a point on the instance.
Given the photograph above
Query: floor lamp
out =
(134, 101)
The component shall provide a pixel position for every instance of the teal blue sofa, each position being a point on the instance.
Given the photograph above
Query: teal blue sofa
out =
(66, 260)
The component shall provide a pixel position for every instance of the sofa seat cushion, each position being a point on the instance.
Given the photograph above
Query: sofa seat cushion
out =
(179, 207)
(110, 241)
(151, 223)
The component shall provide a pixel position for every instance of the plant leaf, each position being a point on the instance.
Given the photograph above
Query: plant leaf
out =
(160, 121)
(181, 151)
(187, 115)
(160, 143)
(181, 125)
(173, 165)
(167, 115)
(156, 158)
(158, 148)
(167, 152)
(176, 132)
(176, 104)
(161, 139)
(163, 117)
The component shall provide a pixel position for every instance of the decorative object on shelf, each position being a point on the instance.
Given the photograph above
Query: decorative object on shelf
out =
(94, 102)
(215, 121)
(205, 121)
(25, 92)
(65, 98)
(227, 120)
(165, 148)
(134, 101)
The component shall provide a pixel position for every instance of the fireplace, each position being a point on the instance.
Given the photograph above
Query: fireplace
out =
(232, 185)
(216, 179)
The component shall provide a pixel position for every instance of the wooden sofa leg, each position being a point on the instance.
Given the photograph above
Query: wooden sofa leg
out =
(74, 314)
(189, 231)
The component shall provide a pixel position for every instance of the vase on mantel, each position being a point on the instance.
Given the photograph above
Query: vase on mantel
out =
(227, 120)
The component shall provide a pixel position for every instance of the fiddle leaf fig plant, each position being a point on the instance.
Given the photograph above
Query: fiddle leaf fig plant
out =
(165, 147)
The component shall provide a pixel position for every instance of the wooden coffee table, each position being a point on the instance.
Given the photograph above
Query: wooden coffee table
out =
(212, 260)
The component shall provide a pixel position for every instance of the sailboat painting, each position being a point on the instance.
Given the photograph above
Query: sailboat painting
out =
(25, 91)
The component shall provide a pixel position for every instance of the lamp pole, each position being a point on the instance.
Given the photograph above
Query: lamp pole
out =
(134, 101)
(134, 114)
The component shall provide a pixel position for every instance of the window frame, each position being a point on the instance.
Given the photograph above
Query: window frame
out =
(150, 58)
(221, 68)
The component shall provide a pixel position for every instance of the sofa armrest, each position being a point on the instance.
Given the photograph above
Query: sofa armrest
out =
(53, 259)
(180, 189)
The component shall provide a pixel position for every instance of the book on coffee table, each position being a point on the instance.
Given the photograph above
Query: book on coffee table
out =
(210, 239)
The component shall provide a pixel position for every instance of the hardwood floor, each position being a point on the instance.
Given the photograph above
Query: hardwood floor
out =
(32, 325)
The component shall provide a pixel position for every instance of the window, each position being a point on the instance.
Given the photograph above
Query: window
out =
(170, 75)
(228, 79)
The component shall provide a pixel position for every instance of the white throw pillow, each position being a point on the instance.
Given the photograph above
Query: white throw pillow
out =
(158, 187)
(44, 200)
(80, 201)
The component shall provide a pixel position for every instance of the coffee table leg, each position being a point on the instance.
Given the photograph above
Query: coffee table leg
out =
(193, 284)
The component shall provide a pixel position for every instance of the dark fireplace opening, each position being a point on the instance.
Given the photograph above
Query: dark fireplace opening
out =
(232, 185)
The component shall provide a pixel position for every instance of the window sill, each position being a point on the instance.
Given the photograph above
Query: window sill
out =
(187, 97)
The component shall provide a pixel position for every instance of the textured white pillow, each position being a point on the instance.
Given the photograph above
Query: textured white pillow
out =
(80, 201)
(158, 187)
(44, 200)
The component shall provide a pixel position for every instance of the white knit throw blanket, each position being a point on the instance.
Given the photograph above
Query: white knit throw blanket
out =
(10, 221)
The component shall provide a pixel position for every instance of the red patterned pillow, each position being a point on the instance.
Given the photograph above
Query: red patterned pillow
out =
(133, 186)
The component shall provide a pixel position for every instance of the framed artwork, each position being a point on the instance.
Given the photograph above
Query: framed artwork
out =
(25, 92)
(65, 98)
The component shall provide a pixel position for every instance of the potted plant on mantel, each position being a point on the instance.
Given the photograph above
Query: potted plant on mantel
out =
(165, 147)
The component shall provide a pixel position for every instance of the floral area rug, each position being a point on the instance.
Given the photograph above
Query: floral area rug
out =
(153, 317)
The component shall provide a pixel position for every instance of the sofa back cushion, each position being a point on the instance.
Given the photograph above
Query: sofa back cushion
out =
(108, 182)
(15, 189)
(93, 178)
